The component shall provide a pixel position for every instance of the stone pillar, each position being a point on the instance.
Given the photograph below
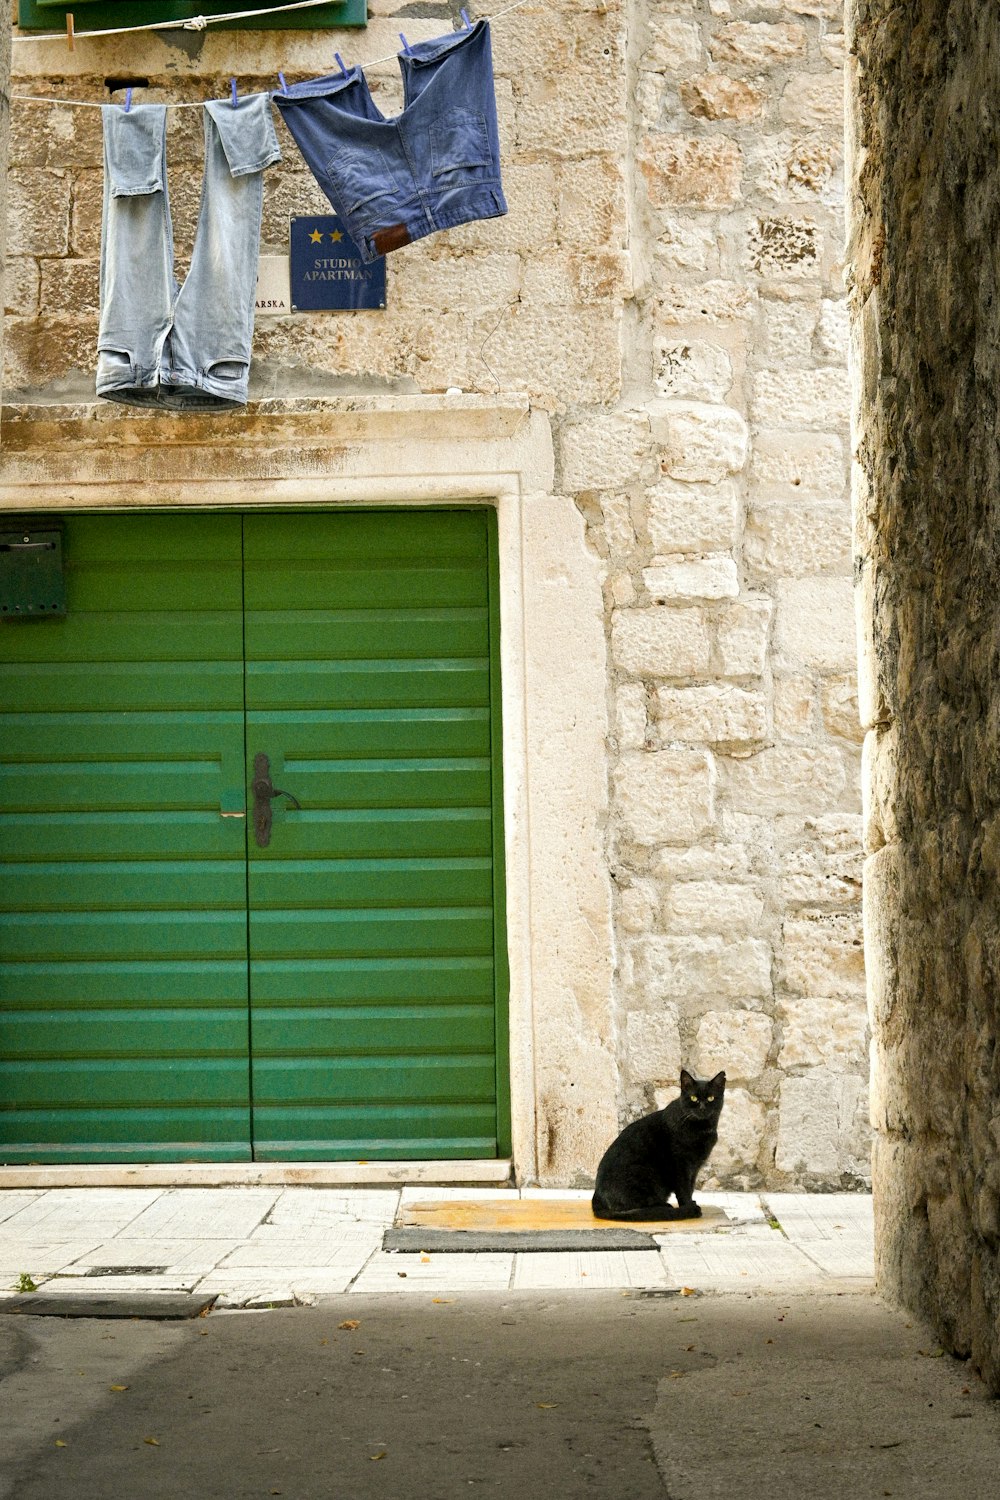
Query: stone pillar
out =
(925, 224)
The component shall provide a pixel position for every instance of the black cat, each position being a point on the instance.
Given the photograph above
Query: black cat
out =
(661, 1154)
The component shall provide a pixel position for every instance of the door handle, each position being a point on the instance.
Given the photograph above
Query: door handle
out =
(263, 793)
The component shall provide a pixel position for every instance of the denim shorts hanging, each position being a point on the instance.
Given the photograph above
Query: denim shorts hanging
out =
(434, 166)
(181, 347)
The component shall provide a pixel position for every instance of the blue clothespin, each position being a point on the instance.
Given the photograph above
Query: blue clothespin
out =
(284, 85)
(233, 83)
(406, 46)
(465, 17)
(128, 100)
(340, 64)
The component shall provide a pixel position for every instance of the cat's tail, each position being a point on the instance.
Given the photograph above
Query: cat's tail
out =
(646, 1213)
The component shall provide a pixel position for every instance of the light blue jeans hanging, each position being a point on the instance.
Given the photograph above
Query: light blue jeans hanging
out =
(181, 347)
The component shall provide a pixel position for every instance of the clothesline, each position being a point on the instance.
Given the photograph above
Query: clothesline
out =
(190, 25)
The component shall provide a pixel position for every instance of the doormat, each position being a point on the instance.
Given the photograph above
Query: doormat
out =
(527, 1224)
(162, 1306)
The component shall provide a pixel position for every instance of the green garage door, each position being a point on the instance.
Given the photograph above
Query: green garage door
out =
(179, 981)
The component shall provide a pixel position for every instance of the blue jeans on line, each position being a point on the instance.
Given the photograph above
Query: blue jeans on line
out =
(163, 345)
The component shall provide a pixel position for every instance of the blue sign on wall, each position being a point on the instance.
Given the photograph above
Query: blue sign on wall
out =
(327, 272)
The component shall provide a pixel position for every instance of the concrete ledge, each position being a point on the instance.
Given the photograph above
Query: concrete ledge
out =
(262, 1174)
(524, 1241)
(168, 1306)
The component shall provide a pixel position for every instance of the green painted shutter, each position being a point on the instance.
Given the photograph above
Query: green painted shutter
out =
(90, 15)
(366, 1018)
(368, 647)
(123, 990)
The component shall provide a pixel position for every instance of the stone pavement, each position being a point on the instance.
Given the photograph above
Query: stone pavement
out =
(274, 1246)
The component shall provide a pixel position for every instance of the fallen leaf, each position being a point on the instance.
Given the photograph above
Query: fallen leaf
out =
(425, 1260)
(376, 1456)
(60, 1443)
(324, 1341)
(443, 1300)
(689, 1348)
(349, 1323)
(117, 1387)
(931, 1353)
(153, 1442)
(546, 1405)
(676, 1374)
(688, 1291)
(769, 1341)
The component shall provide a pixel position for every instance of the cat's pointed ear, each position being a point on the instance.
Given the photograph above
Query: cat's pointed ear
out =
(718, 1082)
(687, 1082)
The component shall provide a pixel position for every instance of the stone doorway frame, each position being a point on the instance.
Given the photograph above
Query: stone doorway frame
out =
(401, 451)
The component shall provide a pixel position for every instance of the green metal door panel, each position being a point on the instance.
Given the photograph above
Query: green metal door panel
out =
(364, 982)
(370, 681)
(403, 732)
(356, 832)
(331, 884)
(123, 988)
(370, 634)
(342, 995)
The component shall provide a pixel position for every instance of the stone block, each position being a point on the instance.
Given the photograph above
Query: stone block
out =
(619, 531)
(38, 212)
(20, 283)
(757, 46)
(571, 114)
(802, 398)
(735, 1042)
(660, 642)
(715, 714)
(800, 538)
(689, 369)
(686, 243)
(653, 1046)
(820, 1032)
(87, 196)
(823, 863)
(530, 190)
(788, 329)
(793, 701)
(698, 171)
(665, 796)
(630, 716)
(704, 967)
(713, 862)
(557, 356)
(638, 907)
(681, 305)
(589, 202)
(692, 517)
(789, 167)
(674, 45)
(799, 465)
(713, 906)
(604, 452)
(699, 440)
(831, 330)
(422, 281)
(814, 625)
(814, 101)
(823, 955)
(741, 1133)
(741, 637)
(692, 578)
(840, 708)
(713, 96)
(785, 778)
(778, 245)
(818, 1125)
(70, 286)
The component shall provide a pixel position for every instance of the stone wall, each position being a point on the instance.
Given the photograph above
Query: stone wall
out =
(667, 288)
(926, 222)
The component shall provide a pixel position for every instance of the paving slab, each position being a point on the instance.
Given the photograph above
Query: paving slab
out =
(13, 1202)
(589, 1270)
(303, 1210)
(76, 1304)
(82, 1213)
(387, 1272)
(205, 1213)
(747, 1260)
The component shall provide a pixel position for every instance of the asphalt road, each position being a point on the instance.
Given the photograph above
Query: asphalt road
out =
(588, 1394)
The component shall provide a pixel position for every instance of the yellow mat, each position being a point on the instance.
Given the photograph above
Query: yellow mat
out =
(488, 1215)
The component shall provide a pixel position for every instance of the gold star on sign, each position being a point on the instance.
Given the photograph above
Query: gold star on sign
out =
(336, 235)
(317, 237)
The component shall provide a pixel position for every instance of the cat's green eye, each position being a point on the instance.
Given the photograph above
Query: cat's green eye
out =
(693, 1098)
(711, 1098)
